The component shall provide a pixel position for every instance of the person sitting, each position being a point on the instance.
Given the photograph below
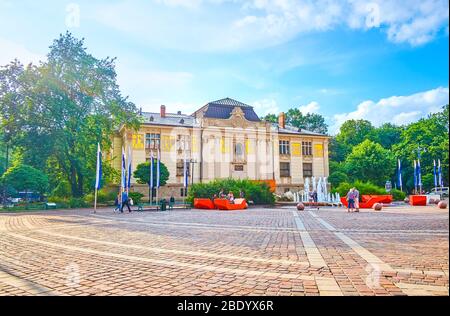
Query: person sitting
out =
(221, 194)
(230, 197)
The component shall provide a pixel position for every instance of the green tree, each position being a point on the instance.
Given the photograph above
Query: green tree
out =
(386, 135)
(142, 173)
(26, 178)
(57, 112)
(354, 132)
(430, 137)
(369, 161)
(311, 121)
(271, 118)
(337, 178)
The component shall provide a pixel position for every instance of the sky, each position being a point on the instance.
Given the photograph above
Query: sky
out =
(380, 60)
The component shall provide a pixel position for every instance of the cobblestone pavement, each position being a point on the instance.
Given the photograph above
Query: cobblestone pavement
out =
(279, 251)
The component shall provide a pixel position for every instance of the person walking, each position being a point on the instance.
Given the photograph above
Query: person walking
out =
(116, 203)
(356, 192)
(350, 200)
(125, 201)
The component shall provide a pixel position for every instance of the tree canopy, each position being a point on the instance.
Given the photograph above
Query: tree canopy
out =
(56, 112)
(311, 121)
(142, 173)
(25, 178)
(365, 152)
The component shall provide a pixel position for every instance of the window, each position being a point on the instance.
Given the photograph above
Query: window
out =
(183, 192)
(284, 147)
(238, 151)
(285, 169)
(152, 141)
(307, 170)
(307, 148)
(180, 167)
(286, 190)
(183, 142)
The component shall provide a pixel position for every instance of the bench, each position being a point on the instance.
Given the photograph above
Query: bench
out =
(50, 205)
(175, 204)
(146, 206)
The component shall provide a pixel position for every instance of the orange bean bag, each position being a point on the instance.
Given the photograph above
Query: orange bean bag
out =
(368, 203)
(206, 204)
(417, 200)
(224, 204)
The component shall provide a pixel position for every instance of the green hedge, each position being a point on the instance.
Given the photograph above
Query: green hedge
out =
(363, 188)
(136, 196)
(104, 196)
(259, 193)
(397, 195)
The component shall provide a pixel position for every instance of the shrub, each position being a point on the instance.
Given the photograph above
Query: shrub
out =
(60, 202)
(363, 188)
(136, 196)
(337, 178)
(397, 195)
(259, 193)
(104, 196)
(77, 203)
(62, 190)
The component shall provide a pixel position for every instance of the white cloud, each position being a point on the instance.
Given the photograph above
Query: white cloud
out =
(11, 50)
(398, 110)
(221, 25)
(312, 107)
(266, 106)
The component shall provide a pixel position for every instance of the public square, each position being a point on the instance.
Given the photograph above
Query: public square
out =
(259, 251)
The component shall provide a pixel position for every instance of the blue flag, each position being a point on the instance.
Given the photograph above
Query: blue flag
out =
(157, 170)
(434, 173)
(415, 175)
(419, 175)
(185, 171)
(129, 168)
(400, 182)
(123, 183)
(441, 180)
(151, 171)
(98, 174)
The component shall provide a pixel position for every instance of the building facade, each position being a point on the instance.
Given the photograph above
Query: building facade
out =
(224, 139)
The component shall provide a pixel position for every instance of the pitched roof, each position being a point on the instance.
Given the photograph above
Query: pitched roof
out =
(170, 119)
(289, 129)
(222, 109)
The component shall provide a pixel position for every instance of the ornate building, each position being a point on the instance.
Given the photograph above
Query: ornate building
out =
(225, 138)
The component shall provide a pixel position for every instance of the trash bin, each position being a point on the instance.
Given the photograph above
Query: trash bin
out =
(163, 205)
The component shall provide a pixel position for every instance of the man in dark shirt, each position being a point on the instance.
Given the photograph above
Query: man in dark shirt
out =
(125, 201)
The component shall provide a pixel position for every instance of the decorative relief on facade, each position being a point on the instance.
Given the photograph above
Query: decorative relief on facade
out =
(138, 141)
(318, 150)
(167, 142)
(296, 149)
(248, 147)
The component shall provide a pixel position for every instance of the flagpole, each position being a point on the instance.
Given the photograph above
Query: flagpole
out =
(97, 176)
(150, 194)
(184, 173)
(157, 176)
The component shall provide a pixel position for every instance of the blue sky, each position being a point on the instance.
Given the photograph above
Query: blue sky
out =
(380, 60)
